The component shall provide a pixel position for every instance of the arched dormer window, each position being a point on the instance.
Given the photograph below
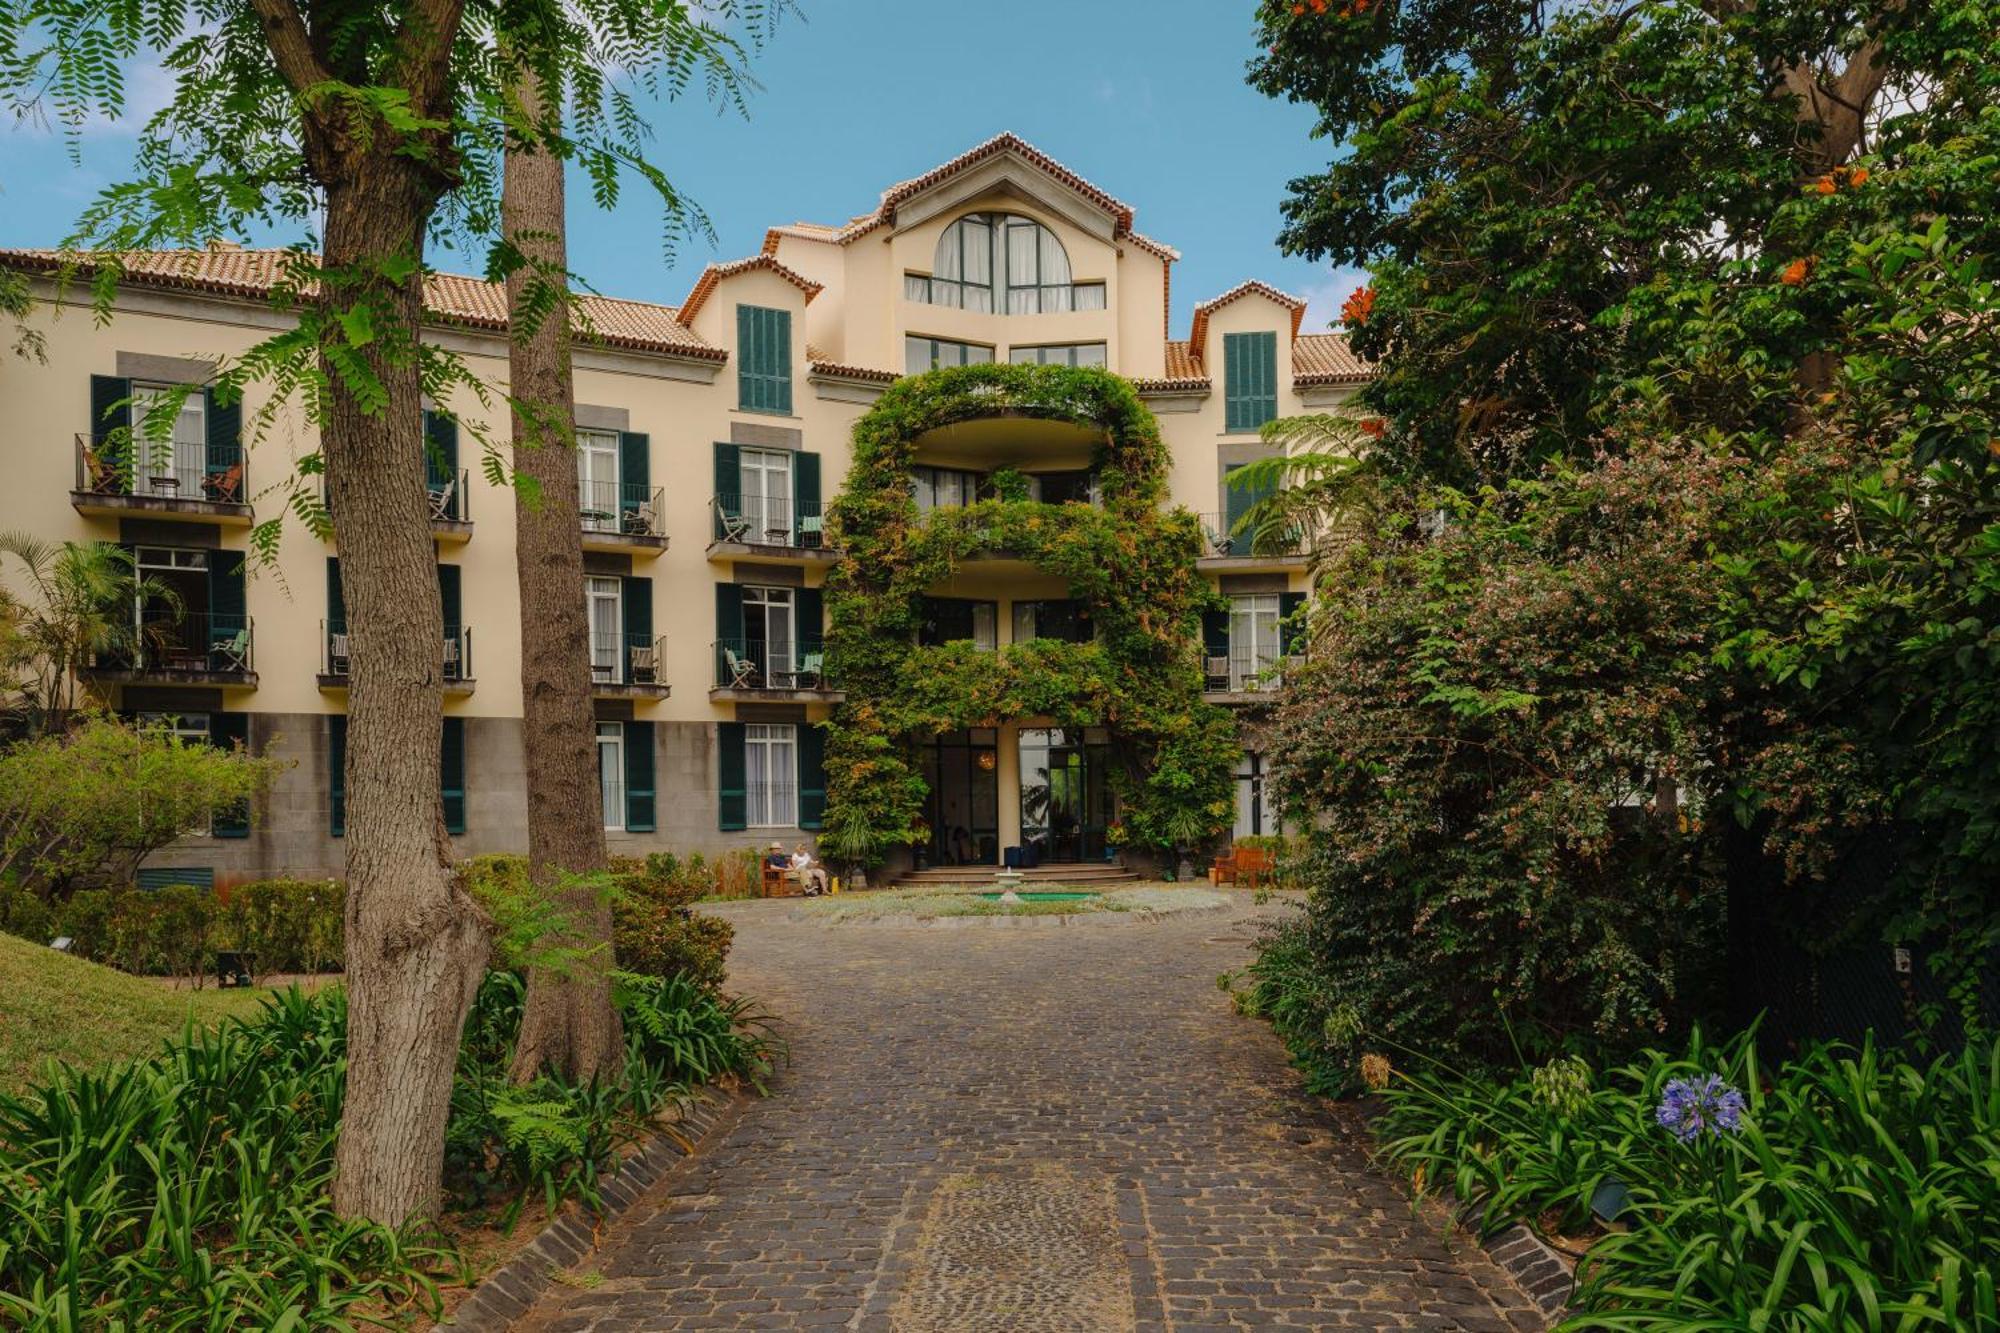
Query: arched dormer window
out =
(1003, 262)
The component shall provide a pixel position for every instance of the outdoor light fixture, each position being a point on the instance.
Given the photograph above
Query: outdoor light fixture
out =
(987, 761)
(1609, 1200)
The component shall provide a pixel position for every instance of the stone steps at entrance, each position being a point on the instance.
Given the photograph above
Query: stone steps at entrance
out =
(1097, 872)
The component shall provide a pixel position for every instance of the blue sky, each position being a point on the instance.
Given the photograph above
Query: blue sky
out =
(1146, 101)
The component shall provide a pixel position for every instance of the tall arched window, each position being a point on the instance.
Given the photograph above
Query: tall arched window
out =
(1005, 262)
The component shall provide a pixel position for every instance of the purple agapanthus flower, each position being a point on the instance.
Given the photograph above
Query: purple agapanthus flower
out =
(1691, 1107)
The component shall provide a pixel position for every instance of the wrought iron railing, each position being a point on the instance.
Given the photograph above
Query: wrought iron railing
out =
(1268, 540)
(456, 651)
(622, 508)
(628, 659)
(166, 640)
(162, 470)
(760, 664)
(450, 496)
(762, 520)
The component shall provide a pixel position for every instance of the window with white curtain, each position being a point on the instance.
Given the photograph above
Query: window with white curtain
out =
(177, 464)
(611, 773)
(767, 629)
(1253, 638)
(943, 488)
(1058, 354)
(921, 354)
(597, 479)
(771, 774)
(767, 494)
(1004, 262)
(605, 598)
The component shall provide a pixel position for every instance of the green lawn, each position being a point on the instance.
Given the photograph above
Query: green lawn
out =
(52, 1005)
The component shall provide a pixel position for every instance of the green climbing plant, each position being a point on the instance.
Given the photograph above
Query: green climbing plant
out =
(1127, 559)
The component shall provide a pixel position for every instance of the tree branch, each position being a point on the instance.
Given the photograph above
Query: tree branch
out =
(425, 40)
(291, 45)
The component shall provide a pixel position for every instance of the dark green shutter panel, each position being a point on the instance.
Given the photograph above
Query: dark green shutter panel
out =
(167, 877)
(225, 437)
(639, 777)
(812, 776)
(228, 614)
(441, 454)
(1240, 500)
(805, 489)
(1293, 630)
(451, 767)
(228, 731)
(732, 805)
(1215, 633)
(728, 483)
(764, 359)
(107, 392)
(728, 627)
(336, 773)
(1250, 379)
(808, 617)
(638, 595)
(336, 604)
(635, 471)
(450, 581)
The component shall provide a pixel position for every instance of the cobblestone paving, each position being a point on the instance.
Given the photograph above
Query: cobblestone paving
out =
(1025, 1125)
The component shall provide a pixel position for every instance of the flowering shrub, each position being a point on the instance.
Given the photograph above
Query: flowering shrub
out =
(1704, 1104)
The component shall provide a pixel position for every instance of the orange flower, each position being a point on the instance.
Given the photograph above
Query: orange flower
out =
(1825, 185)
(1373, 427)
(1358, 306)
(1858, 176)
(1796, 273)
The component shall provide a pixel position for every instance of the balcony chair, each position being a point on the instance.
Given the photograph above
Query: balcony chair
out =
(742, 671)
(452, 668)
(812, 666)
(1215, 671)
(645, 665)
(734, 527)
(224, 487)
(336, 654)
(812, 531)
(640, 521)
(104, 476)
(1220, 542)
(232, 653)
(441, 500)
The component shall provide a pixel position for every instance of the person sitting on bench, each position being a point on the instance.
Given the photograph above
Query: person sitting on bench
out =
(812, 876)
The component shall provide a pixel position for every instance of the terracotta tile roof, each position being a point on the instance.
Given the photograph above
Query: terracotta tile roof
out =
(1326, 358)
(451, 297)
(715, 273)
(834, 370)
(1199, 334)
(1160, 248)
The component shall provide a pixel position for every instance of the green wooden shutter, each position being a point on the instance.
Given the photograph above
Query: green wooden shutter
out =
(451, 770)
(1215, 633)
(728, 626)
(225, 435)
(441, 456)
(336, 773)
(637, 594)
(1293, 630)
(764, 359)
(731, 801)
(812, 776)
(635, 471)
(451, 580)
(639, 800)
(808, 618)
(805, 497)
(1238, 500)
(107, 394)
(336, 603)
(228, 610)
(1250, 379)
(728, 483)
(228, 731)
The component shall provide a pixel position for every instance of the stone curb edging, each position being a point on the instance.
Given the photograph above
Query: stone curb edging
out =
(509, 1291)
(1539, 1270)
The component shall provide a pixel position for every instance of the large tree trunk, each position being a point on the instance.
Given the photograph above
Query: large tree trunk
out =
(568, 1024)
(416, 942)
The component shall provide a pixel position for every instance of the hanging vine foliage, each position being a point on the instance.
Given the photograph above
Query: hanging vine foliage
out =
(1127, 560)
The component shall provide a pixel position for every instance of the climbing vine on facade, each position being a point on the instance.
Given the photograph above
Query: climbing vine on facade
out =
(1130, 562)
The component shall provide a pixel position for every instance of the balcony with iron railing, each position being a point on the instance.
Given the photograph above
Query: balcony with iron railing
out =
(758, 669)
(622, 516)
(629, 666)
(181, 648)
(455, 657)
(1243, 675)
(175, 479)
(450, 501)
(775, 528)
(982, 297)
(1265, 547)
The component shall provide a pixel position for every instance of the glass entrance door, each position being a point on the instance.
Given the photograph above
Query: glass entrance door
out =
(1065, 802)
(962, 770)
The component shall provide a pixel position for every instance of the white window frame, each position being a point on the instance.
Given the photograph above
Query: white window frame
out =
(770, 749)
(598, 494)
(780, 611)
(771, 512)
(611, 774)
(1255, 639)
(190, 728)
(607, 660)
(1094, 355)
(922, 353)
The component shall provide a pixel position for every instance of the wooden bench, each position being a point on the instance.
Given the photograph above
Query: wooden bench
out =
(780, 884)
(1241, 865)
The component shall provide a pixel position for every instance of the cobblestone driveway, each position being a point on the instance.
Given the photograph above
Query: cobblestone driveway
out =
(1025, 1125)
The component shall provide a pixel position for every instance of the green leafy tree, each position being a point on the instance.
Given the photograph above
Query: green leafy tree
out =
(378, 127)
(82, 605)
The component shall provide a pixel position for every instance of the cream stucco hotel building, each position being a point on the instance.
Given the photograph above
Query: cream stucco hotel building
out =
(711, 435)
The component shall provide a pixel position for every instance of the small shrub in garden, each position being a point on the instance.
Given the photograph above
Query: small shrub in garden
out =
(1846, 1189)
(655, 930)
(287, 925)
(25, 914)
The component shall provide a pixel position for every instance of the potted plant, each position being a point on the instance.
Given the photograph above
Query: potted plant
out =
(1184, 830)
(851, 843)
